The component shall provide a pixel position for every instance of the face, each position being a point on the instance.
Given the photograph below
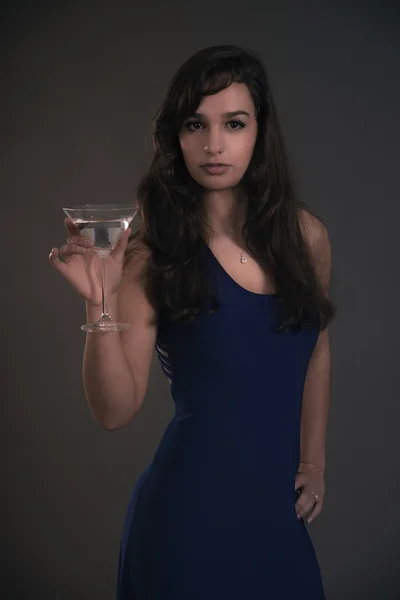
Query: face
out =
(218, 140)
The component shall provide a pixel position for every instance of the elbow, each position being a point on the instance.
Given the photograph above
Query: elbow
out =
(112, 415)
(112, 423)
(110, 426)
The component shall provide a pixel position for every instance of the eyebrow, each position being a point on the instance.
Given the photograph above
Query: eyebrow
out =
(227, 115)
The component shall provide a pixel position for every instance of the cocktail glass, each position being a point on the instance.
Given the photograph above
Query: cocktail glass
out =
(104, 224)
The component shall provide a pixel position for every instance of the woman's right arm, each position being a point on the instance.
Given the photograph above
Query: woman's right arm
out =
(116, 365)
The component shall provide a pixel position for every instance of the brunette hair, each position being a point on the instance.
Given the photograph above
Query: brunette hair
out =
(171, 207)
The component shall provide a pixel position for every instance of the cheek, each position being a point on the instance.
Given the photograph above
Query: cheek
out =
(245, 146)
(188, 149)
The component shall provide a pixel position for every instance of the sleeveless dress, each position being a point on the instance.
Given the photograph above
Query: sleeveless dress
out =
(213, 516)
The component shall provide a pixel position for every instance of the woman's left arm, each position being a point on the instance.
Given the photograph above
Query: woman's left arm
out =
(316, 394)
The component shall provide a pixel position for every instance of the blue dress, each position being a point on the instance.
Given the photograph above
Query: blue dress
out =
(213, 516)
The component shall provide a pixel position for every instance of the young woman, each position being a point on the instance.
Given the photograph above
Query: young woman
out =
(228, 279)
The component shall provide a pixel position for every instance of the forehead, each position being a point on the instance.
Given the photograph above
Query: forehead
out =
(234, 97)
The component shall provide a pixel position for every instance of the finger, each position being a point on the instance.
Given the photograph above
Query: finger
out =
(55, 261)
(70, 249)
(304, 504)
(120, 247)
(301, 513)
(300, 481)
(81, 240)
(315, 512)
(71, 228)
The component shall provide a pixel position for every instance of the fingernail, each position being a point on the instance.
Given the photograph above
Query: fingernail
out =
(309, 520)
(298, 516)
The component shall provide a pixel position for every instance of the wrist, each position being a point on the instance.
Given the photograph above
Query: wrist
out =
(314, 467)
(110, 302)
(93, 312)
(92, 305)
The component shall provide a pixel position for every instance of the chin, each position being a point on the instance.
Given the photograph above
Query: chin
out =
(217, 184)
(217, 188)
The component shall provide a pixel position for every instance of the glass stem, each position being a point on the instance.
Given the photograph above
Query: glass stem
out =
(104, 307)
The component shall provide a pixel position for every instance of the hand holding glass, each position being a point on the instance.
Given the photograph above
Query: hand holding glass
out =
(103, 224)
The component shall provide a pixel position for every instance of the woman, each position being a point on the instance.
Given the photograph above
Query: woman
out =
(228, 279)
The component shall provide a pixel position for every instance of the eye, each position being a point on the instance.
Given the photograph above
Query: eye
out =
(236, 124)
(193, 125)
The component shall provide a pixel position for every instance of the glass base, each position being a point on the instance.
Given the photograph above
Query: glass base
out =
(106, 325)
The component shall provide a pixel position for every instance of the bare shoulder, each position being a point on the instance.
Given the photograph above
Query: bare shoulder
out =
(312, 228)
(317, 239)
(137, 255)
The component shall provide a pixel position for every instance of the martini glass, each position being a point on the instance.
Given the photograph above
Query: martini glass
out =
(103, 224)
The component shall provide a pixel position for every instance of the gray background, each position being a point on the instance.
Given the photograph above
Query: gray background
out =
(80, 84)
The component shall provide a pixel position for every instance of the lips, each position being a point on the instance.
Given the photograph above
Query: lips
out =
(214, 168)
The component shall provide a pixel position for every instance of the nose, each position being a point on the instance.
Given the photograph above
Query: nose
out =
(214, 143)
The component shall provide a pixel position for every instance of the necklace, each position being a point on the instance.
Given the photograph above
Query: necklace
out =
(243, 258)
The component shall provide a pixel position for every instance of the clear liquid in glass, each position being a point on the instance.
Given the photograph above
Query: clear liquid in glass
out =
(104, 233)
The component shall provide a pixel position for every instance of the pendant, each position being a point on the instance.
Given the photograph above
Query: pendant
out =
(243, 259)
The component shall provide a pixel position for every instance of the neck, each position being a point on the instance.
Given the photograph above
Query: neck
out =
(225, 211)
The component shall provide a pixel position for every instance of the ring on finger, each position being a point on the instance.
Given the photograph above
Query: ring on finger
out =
(315, 496)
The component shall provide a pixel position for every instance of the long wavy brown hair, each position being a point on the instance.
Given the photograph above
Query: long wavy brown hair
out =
(171, 207)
